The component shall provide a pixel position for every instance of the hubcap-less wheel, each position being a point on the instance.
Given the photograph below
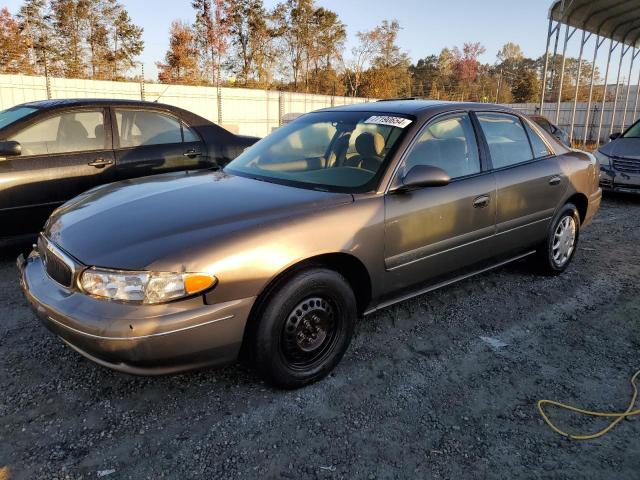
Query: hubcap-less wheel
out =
(564, 241)
(308, 333)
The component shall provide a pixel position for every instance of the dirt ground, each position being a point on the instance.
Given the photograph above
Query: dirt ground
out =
(418, 395)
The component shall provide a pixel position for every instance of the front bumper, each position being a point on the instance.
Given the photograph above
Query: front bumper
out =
(612, 180)
(137, 339)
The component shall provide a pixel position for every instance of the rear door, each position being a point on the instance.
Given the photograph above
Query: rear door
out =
(530, 181)
(64, 153)
(149, 142)
(432, 232)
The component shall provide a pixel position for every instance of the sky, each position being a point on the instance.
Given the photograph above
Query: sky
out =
(427, 25)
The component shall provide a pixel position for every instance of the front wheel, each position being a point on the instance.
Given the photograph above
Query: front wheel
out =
(556, 253)
(304, 328)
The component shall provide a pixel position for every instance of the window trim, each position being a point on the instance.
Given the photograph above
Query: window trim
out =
(106, 123)
(484, 167)
(521, 119)
(166, 113)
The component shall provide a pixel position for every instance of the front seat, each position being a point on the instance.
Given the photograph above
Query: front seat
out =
(369, 147)
(72, 136)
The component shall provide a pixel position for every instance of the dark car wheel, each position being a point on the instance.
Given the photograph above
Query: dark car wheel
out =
(304, 328)
(557, 251)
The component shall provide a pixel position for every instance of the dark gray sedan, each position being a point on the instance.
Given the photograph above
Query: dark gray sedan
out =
(336, 215)
(620, 161)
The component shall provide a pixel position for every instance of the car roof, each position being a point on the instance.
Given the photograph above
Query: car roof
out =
(76, 102)
(415, 107)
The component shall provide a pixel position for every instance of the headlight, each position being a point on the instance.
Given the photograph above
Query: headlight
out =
(603, 160)
(143, 287)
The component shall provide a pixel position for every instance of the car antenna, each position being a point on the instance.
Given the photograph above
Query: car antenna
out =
(160, 96)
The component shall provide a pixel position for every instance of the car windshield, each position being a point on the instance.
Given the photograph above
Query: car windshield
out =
(634, 131)
(340, 151)
(14, 114)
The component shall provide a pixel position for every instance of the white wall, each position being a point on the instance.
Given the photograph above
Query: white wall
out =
(244, 111)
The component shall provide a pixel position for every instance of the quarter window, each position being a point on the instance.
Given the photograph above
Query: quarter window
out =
(450, 144)
(65, 133)
(507, 139)
(540, 148)
(139, 128)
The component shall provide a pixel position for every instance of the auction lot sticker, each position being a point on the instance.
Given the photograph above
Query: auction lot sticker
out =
(399, 122)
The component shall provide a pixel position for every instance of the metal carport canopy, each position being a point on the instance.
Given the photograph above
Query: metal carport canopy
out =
(615, 19)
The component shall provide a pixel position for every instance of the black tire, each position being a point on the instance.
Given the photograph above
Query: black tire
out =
(304, 329)
(548, 260)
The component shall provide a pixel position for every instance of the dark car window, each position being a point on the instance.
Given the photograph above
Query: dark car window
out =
(506, 137)
(540, 148)
(341, 151)
(7, 117)
(449, 144)
(633, 132)
(189, 135)
(138, 128)
(64, 133)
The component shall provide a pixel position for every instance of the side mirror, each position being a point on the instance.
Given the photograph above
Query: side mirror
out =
(10, 149)
(424, 176)
(613, 136)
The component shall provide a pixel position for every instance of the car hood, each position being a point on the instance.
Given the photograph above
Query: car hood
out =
(131, 224)
(623, 148)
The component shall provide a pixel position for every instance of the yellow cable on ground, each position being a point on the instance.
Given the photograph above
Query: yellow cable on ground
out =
(618, 416)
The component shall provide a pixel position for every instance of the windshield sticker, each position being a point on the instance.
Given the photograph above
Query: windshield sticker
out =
(399, 122)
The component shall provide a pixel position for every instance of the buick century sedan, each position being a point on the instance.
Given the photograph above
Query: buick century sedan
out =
(336, 215)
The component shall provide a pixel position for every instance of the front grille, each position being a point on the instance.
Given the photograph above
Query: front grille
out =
(57, 268)
(628, 165)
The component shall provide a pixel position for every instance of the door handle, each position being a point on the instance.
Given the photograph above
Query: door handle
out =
(481, 201)
(100, 163)
(555, 180)
(191, 153)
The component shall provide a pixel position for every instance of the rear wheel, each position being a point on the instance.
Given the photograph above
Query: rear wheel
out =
(304, 328)
(557, 251)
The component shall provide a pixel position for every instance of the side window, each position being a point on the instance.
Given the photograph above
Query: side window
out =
(138, 128)
(540, 148)
(189, 135)
(450, 144)
(64, 133)
(507, 139)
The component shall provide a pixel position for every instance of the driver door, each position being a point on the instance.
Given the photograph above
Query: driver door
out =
(63, 155)
(431, 232)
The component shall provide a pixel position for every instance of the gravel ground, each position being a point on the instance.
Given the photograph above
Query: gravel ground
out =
(418, 394)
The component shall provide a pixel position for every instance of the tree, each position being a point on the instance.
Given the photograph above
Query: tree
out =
(361, 57)
(127, 42)
(525, 86)
(251, 38)
(181, 60)
(34, 21)
(212, 26)
(69, 16)
(424, 75)
(14, 49)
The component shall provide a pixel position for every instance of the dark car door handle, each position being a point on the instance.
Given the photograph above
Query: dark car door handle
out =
(191, 153)
(555, 180)
(100, 163)
(481, 201)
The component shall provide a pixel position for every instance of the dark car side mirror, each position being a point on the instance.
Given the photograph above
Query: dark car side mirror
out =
(10, 148)
(424, 176)
(613, 136)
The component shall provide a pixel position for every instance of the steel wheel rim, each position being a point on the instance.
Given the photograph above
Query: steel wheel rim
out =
(564, 241)
(309, 333)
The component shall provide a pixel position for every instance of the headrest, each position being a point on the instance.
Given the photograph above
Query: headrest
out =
(72, 129)
(99, 132)
(370, 144)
